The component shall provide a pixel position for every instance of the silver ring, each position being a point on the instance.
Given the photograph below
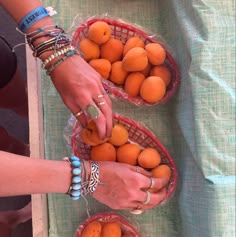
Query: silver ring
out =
(101, 103)
(152, 183)
(137, 210)
(92, 111)
(78, 114)
(138, 169)
(100, 96)
(148, 198)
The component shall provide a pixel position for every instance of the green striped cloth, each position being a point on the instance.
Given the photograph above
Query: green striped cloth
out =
(197, 125)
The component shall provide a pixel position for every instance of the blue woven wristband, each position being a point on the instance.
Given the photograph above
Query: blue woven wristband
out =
(31, 18)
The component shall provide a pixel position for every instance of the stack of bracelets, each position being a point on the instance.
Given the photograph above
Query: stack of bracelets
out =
(57, 40)
(59, 44)
(86, 185)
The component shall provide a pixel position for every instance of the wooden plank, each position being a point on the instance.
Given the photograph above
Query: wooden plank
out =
(39, 201)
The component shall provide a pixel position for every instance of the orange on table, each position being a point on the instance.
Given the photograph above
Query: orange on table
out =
(89, 49)
(132, 42)
(119, 135)
(94, 229)
(161, 171)
(111, 229)
(103, 152)
(112, 50)
(102, 66)
(128, 153)
(152, 89)
(118, 74)
(135, 60)
(163, 72)
(156, 53)
(133, 83)
(99, 32)
(149, 158)
(89, 135)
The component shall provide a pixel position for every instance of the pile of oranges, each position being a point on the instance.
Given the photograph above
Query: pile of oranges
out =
(119, 148)
(135, 66)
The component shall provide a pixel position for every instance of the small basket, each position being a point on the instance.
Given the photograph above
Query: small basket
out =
(126, 226)
(123, 31)
(137, 134)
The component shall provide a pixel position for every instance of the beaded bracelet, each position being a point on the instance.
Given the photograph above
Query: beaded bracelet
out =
(55, 55)
(61, 60)
(75, 188)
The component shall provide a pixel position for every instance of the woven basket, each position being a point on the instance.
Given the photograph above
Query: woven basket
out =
(124, 31)
(126, 226)
(137, 134)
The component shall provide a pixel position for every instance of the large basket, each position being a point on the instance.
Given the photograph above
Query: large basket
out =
(126, 226)
(123, 31)
(138, 134)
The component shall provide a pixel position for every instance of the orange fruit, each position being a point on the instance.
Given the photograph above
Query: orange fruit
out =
(99, 32)
(89, 49)
(102, 66)
(118, 74)
(112, 50)
(146, 70)
(119, 135)
(163, 72)
(111, 229)
(128, 153)
(152, 89)
(132, 42)
(89, 135)
(94, 229)
(135, 60)
(161, 171)
(149, 158)
(133, 83)
(156, 53)
(103, 152)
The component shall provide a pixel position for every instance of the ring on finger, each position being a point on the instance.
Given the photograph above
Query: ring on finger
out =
(148, 198)
(100, 96)
(92, 111)
(78, 114)
(101, 103)
(137, 211)
(138, 169)
(152, 183)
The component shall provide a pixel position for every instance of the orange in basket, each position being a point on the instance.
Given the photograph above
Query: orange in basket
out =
(134, 37)
(137, 134)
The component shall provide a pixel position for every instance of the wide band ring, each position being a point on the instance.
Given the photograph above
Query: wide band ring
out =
(100, 96)
(92, 111)
(148, 198)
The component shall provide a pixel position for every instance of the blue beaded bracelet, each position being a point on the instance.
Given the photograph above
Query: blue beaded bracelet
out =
(31, 18)
(75, 188)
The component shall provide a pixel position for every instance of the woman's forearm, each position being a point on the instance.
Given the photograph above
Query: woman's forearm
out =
(20, 175)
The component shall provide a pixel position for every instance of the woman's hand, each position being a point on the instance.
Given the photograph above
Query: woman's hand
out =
(79, 86)
(122, 187)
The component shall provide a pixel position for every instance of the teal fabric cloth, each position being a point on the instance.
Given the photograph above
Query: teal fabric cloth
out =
(197, 125)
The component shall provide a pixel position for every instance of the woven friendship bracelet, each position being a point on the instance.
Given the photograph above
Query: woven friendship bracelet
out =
(32, 17)
(75, 188)
(55, 55)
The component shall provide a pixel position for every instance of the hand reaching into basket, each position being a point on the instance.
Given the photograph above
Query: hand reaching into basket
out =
(123, 186)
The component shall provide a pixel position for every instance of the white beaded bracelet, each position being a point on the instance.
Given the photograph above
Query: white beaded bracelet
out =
(55, 55)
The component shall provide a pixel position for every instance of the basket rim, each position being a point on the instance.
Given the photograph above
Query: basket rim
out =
(171, 89)
(101, 215)
(148, 133)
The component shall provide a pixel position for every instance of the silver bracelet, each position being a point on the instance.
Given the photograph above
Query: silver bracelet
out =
(94, 177)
